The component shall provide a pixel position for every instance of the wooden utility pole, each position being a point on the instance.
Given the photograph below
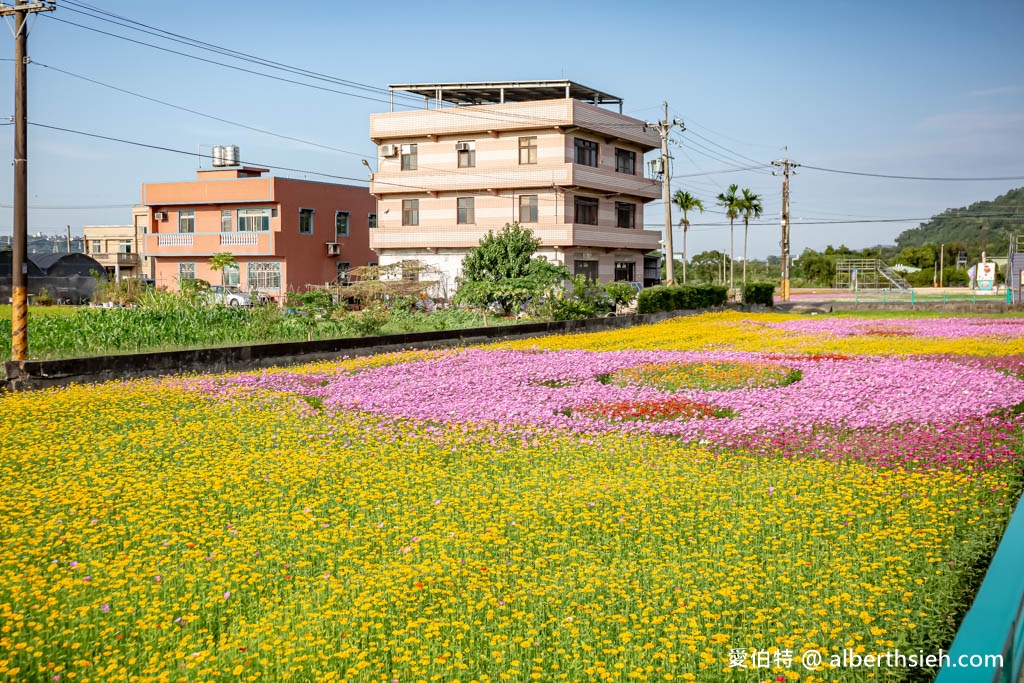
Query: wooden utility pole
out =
(19, 255)
(664, 127)
(786, 171)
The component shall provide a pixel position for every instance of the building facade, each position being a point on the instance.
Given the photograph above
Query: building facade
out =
(116, 248)
(285, 234)
(545, 154)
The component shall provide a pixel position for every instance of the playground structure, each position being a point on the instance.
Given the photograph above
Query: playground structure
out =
(1014, 268)
(869, 274)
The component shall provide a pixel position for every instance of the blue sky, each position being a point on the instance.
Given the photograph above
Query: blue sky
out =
(906, 88)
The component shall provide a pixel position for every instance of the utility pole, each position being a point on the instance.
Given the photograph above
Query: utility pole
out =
(942, 259)
(786, 171)
(664, 127)
(69, 238)
(19, 263)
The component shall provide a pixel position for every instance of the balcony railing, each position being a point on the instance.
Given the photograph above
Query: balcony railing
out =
(232, 239)
(183, 239)
(117, 258)
(208, 243)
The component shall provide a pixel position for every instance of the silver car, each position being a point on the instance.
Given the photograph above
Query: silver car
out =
(229, 296)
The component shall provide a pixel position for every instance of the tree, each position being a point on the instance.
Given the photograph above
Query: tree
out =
(750, 206)
(707, 266)
(500, 256)
(221, 261)
(729, 201)
(686, 202)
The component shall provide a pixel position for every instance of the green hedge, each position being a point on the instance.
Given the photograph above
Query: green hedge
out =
(759, 293)
(680, 297)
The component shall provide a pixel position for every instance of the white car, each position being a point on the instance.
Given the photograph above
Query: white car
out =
(229, 296)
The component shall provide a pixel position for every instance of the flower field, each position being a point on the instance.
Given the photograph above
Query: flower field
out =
(641, 504)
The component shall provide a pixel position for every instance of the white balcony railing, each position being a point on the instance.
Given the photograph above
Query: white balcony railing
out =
(174, 240)
(233, 239)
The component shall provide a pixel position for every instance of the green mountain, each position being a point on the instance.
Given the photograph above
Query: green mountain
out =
(983, 226)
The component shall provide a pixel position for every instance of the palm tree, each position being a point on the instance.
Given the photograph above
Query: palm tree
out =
(750, 206)
(686, 202)
(732, 205)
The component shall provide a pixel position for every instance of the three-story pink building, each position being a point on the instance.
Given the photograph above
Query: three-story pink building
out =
(284, 233)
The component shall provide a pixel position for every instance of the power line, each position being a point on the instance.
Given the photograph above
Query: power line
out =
(910, 177)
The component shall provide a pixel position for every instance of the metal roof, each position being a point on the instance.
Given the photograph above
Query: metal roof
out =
(499, 92)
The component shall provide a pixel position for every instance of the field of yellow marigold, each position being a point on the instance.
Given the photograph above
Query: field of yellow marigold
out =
(472, 515)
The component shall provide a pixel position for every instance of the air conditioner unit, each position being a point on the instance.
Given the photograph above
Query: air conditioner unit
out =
(657, 166)
(333, 249)
(462, 147)
(160, 216)
(388, 150)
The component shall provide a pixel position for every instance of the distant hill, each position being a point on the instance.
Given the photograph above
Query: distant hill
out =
(987, 225)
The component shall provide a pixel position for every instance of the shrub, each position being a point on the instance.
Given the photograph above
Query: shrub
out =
(759, 293)
(680, 297)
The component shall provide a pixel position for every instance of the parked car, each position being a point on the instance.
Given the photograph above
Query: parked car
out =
(229, 296)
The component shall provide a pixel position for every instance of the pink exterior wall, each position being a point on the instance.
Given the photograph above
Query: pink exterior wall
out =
(304, 259)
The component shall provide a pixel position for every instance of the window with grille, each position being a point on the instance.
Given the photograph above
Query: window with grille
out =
(342, 271)
(341, 223)
(264, 275)
(625, 214)
(586, 152)
(254, 220)
(466, 210)
(305, 221)
(410, 212)
(588, 268)
(624, 271)
(586, 210)
(187, 221)
(625, 161)
(225, 220)
(528, 208)
(186, 271)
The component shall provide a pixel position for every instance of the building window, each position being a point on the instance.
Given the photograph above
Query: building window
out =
(625, 161)
(124, 247)
(230, 275)
(466, 206)
(527, 208)
(225, 220)
(96, 246)
(342, 271)
(528, 150)
(186, 271)
(341, 223)
(467, 153)
(586, 210)
(409, 155)
(187, 221)
(372, 220)
(264, 275)
(586, 152)
(254, 220)
(305, 221)
(588, 268)
(625, 215)
(410, 212)
(624, 271)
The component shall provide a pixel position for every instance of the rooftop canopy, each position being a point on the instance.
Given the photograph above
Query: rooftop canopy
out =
(500, 92)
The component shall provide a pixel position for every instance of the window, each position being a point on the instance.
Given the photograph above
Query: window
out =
(625, 215)
(467, 154)
(586, 152)
(528, 208)
(305, 221)
(625, 161)
(409, 157)
(342, 271)
(586, 210)
(254, 220)
(230, 275)
(264, 275)
(96, 246)
(588, 268)
(624, 271)
(186, 271)
(372, 220)
(187, 221)
(341, 223)
(124, 247)
(410, 212)
(466, 206)
(225, 220)
(528, 150)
